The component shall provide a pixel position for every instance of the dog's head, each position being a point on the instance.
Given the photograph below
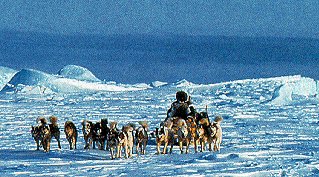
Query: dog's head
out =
(97, 129)
(69, 128)
(161, 132)
(87, 127)
(141, 133)
(104, 123)
(211, 130)
(113, 138)
(35, 131)
(182, 132)
(45, 131)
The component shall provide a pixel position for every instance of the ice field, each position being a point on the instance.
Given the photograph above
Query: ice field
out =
(270, 125)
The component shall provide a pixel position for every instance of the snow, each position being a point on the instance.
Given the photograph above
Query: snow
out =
(264, 134)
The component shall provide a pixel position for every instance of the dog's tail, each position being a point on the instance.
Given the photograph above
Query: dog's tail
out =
(218, 119)
(113, 125)
(53, 120)
(144, 124)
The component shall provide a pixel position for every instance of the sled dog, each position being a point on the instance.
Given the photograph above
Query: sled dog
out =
(182, 135)
(126, 141)
(54, 128)
(141, 137)
(71, 133)
(104, 133)
(36, 134)
(87, 130)
(165, 135)
(113, 139)
(217, 138)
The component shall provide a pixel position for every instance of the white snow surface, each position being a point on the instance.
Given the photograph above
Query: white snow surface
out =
(263, 134)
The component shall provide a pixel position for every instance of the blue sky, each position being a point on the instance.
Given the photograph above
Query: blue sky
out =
(284, 18)
(198, 51)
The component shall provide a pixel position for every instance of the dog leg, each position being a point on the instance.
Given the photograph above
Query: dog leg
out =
(210, 145)
(165, 148)
(195, 145)
(187, 145)
(119, 152)
(181, 146)
(59, 144)
(112, 153)
(48, 149)
(217, 145)
(158, 147)
(137, 148)
(201, 145)
(144, 148)
(171, 149)
(38, 144)
(126, 151)
(74, 142)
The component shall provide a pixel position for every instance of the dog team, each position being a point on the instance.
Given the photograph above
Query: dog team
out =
(183, 125)
(100, 135)
(95, 135)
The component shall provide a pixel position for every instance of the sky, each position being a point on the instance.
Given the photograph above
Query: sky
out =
(200, 41)
(283, 18)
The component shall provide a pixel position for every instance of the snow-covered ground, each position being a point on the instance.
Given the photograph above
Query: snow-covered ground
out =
(270, 126)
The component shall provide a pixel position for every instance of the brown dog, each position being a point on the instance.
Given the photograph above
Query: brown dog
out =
(125, 141)
(122, 144)
(192, 133)
(42, 134)
(36, 134)
(113, 139)
(182, 135)
(46, 137)
(54, 129)
(217, 138)
(210, 133)
(71, 134)
(202, 131)
(141, 137)
(128, 130)
(165, 135)
(87, 130)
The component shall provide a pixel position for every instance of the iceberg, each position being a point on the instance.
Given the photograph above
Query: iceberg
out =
(301, 86)
(158, 84)
(78, 73)
(32, 81)
(5, 75)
